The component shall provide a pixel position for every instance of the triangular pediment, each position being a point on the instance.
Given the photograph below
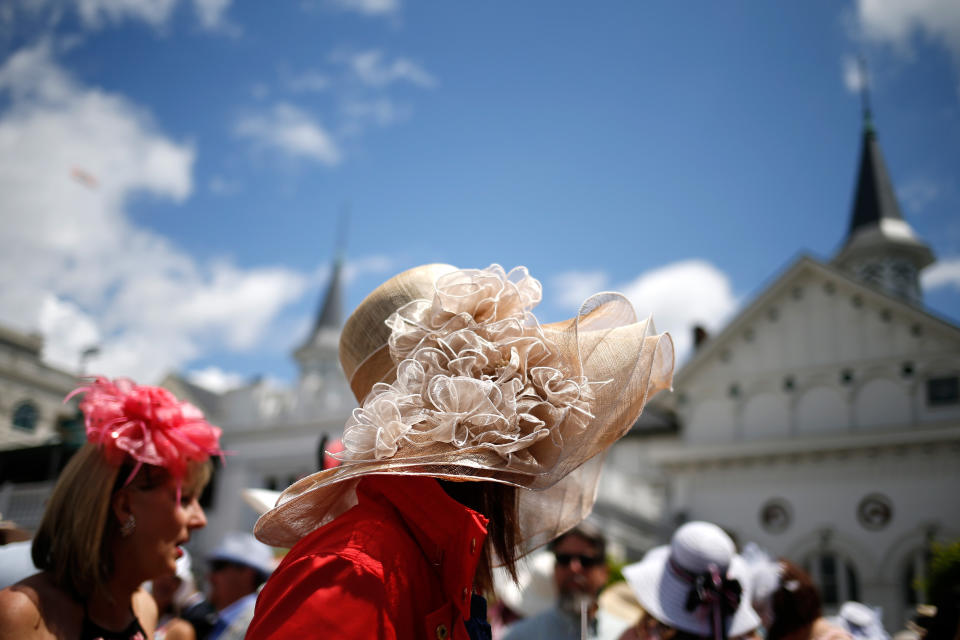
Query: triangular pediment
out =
(815, 316)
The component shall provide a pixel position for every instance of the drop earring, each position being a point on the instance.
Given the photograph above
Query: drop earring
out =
(126, 529)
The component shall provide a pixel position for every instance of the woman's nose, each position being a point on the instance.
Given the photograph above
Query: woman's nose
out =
(197, 518)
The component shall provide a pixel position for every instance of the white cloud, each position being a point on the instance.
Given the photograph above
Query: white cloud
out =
(681, 295)
(74, 329)
(917, 193)
(221, 186)
(308, 82)
(75, 267)
(678, 296)
(216, 379)
(896, 21)
(854, 78)
(371, 69)
(574, 287)
(94, 13)
(382, 112)
(211, 12)
(368, 7)
(361, 265)
(942, 274)
(291, 131)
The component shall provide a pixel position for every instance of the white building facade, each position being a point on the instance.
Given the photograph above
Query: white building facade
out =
(823, 422)
(37, 430)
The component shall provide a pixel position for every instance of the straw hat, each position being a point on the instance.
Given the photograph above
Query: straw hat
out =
(669, 579)
(458, 381)
(619, 600)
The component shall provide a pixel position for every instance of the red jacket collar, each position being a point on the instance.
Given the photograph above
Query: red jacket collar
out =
(450, 535)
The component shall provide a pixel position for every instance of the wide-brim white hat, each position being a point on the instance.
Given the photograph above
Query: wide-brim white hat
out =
(242, 548)
(663, 591)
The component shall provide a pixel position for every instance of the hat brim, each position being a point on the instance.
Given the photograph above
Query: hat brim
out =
(603, 343)
(663, 595)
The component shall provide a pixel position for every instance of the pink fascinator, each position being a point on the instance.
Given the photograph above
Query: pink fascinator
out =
(148, 424)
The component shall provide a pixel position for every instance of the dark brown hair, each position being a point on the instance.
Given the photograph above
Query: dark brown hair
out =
(589, 532)
(498, 503)
(795, 603)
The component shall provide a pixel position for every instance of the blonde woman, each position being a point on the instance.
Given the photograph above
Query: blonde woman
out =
(118, 516)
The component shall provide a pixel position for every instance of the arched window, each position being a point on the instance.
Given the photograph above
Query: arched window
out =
(836, 577)
(25, 416)
(914, 576)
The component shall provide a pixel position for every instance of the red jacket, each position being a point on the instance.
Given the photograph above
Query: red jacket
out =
(399, 565)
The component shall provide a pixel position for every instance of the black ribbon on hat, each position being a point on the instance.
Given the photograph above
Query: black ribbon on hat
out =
(720, 594)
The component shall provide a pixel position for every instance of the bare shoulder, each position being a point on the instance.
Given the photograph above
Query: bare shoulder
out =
(20, 615)
(145, 608)
(823, 629)
(36, 607)
(179, 629)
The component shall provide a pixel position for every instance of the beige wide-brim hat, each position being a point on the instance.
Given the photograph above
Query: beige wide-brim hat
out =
(457, 380)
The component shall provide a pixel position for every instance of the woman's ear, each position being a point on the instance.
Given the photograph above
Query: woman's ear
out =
(120, 505)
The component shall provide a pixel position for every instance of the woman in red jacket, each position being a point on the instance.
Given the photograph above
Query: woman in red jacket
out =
(480, 437)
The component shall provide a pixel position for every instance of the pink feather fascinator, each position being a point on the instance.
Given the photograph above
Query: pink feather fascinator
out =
(148, 424)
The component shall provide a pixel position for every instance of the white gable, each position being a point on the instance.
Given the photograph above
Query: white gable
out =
(816, 353)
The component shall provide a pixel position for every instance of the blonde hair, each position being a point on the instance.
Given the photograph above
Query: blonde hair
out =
(75, 535)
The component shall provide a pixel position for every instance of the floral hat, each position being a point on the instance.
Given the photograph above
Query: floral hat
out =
(458, 380)
(147, 424)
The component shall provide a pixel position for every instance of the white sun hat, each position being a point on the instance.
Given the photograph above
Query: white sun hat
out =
(242, 548)
(534, 591)
(696, 579)
(861, 621)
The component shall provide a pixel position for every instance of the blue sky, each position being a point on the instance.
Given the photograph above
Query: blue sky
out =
(171, 172)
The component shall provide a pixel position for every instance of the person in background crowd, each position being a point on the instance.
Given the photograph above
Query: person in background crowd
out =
(118, 516)
(695, 588)
(579, 574)
(796, 609)
(238, 568)
(170, 592)
(860, 621)
(478, 440)
(532, 592)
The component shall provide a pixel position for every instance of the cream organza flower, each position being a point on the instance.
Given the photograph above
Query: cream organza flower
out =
(473, 370)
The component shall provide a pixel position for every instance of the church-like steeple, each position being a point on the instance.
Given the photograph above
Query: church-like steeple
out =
(319, 352)
(881, 248)
(331, 309)
(318, 356)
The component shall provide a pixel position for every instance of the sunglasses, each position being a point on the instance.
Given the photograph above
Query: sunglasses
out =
(587, 562)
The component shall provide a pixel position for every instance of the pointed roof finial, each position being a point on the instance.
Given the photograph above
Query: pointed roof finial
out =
(865, 94)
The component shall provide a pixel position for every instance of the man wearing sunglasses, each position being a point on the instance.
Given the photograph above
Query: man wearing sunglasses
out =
(238, 568)
(579, 575)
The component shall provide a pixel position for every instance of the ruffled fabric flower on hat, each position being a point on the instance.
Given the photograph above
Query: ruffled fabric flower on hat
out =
(147, 424)
(473, 370)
